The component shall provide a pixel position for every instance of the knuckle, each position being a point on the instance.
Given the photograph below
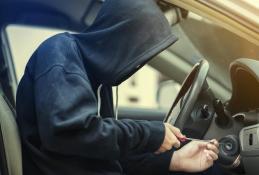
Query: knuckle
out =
(216, 157)
(177, 130)
(177, 144)
(168, 146)
(217, 151)
(215, 142)
(212, 147)
(171, 142)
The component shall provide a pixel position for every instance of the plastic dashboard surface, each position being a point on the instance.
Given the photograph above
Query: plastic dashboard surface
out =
(249, 140)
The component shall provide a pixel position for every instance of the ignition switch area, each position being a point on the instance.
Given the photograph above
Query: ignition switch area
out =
(229, 151)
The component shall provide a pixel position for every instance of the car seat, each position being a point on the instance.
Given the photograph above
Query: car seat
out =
(10, 144)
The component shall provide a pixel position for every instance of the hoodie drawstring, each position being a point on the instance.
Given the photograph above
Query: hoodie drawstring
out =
(116, 103)
(99, 100)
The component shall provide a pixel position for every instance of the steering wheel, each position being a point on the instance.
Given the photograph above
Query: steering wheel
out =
(189, 91)
(229, 151)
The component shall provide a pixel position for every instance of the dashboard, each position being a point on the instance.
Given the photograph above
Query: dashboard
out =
(234, 123)
(244, 104)
(240, 136)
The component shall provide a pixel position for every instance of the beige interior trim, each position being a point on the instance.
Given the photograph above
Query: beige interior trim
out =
(241, 11)
(11, 139)
(218, 17)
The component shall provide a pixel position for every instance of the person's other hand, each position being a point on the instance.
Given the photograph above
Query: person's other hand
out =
(171, 138)
(196, 156)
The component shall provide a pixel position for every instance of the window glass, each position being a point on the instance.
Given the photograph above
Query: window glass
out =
(142, 89)
(23, 41)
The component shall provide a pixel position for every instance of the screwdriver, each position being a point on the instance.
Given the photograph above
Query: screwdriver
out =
(184, 139)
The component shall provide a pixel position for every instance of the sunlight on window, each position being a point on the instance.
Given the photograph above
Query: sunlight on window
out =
(140, 89)
(23, 41)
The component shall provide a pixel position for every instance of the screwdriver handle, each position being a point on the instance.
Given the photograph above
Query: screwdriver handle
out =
(183, 139)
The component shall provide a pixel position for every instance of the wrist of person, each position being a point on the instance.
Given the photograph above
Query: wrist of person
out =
(175, 164)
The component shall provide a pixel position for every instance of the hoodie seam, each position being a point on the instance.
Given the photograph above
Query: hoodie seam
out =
(74, 46)
(63, 68)
(148, 51)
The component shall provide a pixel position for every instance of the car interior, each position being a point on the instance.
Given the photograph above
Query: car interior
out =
(217, 69)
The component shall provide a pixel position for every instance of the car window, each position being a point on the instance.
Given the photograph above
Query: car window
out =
(142, 90)
(23, 41)
(139, 91)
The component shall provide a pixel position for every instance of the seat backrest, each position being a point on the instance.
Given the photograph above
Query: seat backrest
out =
(10, 145)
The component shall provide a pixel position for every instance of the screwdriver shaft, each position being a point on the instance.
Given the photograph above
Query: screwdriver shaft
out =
(192, 139)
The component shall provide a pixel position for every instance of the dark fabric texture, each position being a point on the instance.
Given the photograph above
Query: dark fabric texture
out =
(147, 164)
(57, 101)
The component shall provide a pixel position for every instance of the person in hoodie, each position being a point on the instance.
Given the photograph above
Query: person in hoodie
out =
(65, 106)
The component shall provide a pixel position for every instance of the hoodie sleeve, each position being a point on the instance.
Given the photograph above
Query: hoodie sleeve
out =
(66, 110)
(147, 164)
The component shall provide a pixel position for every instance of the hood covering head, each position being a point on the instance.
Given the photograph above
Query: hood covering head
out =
(125, 35)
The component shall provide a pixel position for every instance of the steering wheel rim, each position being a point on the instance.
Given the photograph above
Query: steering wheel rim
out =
(191, 87)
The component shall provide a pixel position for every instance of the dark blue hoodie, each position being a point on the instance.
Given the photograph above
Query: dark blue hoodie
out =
(57, 100)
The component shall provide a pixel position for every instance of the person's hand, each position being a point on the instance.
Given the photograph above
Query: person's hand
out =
(196, 156)
(171, 138)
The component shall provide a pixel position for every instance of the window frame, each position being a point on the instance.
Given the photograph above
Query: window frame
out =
(9, 65)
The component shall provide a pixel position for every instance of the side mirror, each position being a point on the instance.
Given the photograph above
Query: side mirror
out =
(166, 93)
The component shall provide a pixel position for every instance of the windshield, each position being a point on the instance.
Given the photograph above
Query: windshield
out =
(201, 38)
(245, 12)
